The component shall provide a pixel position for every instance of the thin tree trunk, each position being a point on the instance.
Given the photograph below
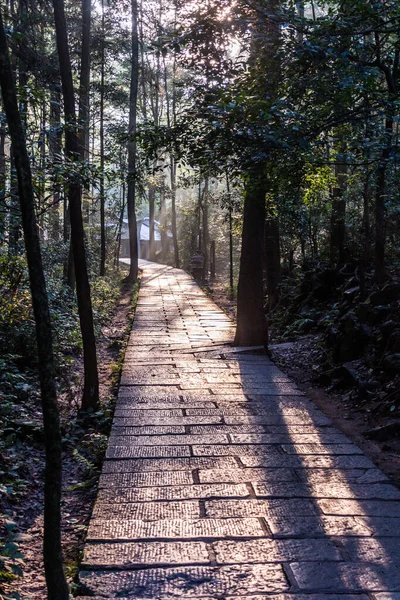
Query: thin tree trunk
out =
(14, 214)
(173, 212)
(152, 198)
(206, 233)
(380, 204)
(131, 198)
(102, 197)
(84, 81)
(365, 256)
(3, 178)
(55, 579)
(230, 209)
(251, 329)
(90, 398)
(338, 216)
(55, 147)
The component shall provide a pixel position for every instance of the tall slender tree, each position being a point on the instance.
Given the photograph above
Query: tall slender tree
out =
(55, 578)
(131, 195)
(90, 397)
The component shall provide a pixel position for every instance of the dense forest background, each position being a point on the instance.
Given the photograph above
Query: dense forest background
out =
(260, 138)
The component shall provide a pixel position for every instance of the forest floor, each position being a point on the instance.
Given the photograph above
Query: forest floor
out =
(84, 449)
(301, 358)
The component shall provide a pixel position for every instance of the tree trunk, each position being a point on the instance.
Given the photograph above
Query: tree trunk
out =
(55, 579)
(90, 398)
(273, 261)
(14, 213)
(230, 221)
(3, 178)
(131, 196)
(366, 229)
(206, 233)
(338, 216)
(163, 223)
(380, 204)
(55, 147)
(173, 212)
(102, 197)
(152, 198)
(251, 329)
(84, 81)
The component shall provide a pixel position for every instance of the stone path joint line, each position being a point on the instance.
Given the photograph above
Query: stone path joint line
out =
(222, 481)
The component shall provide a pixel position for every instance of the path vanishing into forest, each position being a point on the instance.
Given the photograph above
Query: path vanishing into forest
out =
(223, 481)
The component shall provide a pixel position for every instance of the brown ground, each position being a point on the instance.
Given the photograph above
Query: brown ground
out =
(80, 483)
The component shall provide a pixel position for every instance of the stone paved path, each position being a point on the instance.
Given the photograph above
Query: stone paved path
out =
(223, 481)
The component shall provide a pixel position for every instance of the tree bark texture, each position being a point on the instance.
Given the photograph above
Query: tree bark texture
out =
(338, 217)
(173, 213)
(251, 329)
(102, 195)
(380, 204)
(55, 147)
(131, 196)
(55, 579)
(90, 397)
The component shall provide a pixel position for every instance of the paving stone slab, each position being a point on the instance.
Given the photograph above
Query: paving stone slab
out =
(147, 430)
(328, 526)
(151, 404)
(135, 413)
(281, 438)
(147, 451)
(227, 429)
(147, 511)
(372, 550)
(147, 418)
(268, 550)
(188, 582)
(150, 554)
(321, 449)
(167, 464)
(321, 461)
(252, 507)
(174, 529)
(168, 440)
(335, 475)
(146, 479)
(346, 577)
(277, 418)
(370, 508)
(367, 491)
(234, 450)
(243, 475)
(185, 492)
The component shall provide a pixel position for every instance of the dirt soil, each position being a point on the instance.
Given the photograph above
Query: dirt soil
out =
(301, 359)
(80, 482)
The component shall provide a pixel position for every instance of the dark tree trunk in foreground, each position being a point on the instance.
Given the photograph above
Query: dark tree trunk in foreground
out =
(56, 584)
(273, 261)
(251, 329)
(90, 398)
(131, 198)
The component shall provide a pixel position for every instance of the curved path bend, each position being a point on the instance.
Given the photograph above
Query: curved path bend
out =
(222, 481)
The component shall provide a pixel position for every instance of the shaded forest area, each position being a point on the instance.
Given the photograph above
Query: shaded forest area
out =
(259, 140)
